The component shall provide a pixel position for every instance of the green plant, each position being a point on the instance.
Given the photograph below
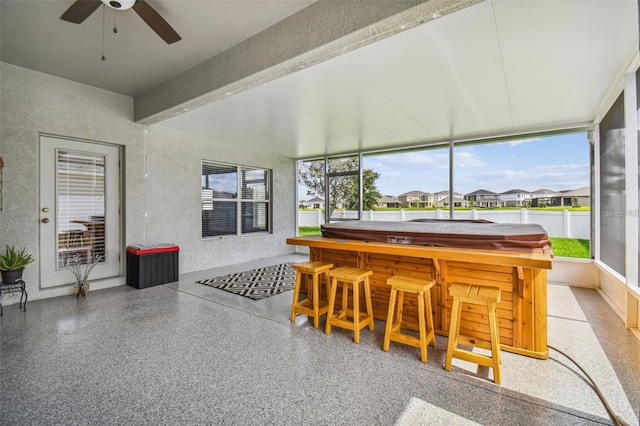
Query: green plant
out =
(13, 259)
(575, 203)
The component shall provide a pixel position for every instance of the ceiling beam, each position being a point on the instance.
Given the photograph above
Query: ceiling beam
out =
(315, 34)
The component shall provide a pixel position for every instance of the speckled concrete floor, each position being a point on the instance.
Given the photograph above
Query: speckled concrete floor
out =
(184, 353)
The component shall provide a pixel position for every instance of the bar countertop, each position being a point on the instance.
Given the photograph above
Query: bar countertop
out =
(537, 260)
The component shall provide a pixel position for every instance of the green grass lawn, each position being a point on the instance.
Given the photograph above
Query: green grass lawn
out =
(570, 247)
(562, 247)
(303, 231)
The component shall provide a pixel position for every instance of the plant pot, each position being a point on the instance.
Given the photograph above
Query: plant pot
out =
(11, 277)
(81, 289)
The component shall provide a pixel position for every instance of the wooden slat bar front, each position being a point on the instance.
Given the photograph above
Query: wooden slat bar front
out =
(521, 277)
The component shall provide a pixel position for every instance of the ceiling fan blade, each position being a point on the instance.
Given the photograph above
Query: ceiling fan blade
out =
(156, 22)
(80, 10)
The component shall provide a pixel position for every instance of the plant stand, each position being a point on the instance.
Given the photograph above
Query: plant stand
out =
(18, 286)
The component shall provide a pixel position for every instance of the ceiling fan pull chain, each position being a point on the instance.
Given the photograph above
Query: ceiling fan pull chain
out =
(115, 24)
(103, 30)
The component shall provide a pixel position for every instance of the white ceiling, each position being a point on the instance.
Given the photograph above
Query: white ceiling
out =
(495, 67)
(33, 36)
(498, 66)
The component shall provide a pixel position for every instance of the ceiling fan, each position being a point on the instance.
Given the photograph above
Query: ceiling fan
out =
(82, 9)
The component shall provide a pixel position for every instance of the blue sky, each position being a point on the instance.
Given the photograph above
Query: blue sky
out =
(557, 163)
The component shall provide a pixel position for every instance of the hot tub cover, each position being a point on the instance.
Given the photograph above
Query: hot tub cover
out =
(474, 234)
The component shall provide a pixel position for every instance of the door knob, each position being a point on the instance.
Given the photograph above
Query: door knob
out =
(45, 220)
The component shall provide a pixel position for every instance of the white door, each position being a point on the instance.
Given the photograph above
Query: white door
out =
(79, 209)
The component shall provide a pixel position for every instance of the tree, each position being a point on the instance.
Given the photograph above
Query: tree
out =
(370, 193)
(343, 189)
(575, 202)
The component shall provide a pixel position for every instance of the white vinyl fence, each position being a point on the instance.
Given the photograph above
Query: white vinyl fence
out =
(565, 223)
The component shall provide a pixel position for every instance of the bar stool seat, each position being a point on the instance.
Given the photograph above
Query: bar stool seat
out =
(350, 318)
(310, 306)
(401, 284)
(478, 295)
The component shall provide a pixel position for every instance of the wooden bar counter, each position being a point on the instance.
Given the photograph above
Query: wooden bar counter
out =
(521, 277)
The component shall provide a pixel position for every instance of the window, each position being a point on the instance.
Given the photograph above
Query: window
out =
(612, 188)
(337, 180)
(223, 211)
(81, 205)
(542, 179)
(343, 189)
(415, 180)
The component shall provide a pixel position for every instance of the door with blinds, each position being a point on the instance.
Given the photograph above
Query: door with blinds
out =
(79, 209)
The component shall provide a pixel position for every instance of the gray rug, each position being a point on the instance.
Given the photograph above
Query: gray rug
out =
(257, 283)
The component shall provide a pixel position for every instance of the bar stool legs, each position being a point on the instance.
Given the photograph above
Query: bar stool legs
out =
(350, 277)
(311, 305)
(393, 331)
(479, 295)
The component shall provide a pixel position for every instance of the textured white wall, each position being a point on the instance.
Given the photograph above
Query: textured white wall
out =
(172, 201)
(162, 168)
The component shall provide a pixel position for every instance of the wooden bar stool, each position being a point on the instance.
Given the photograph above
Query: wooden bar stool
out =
(401, 284)
(351, 319)
(478, 295)
(311, 305)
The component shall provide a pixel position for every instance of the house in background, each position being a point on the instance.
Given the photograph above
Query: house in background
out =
(544, 192)
(314, 203)
(390, 202)
(416, 199)
(442, 199)
(458, 201)
(484, 198)
(516, 198)
(577, 197)
(441, 195)
(581, 196)
(544, 197)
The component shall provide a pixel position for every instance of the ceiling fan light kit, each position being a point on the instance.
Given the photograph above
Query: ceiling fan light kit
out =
(119, 5)
(80, 10)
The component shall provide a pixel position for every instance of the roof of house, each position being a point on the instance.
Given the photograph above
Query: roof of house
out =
(481, 192)
(445, 192)
(580, 192)
(516, 191)
(544, 191)
(455, 200)
(388, 199)
(414, 194)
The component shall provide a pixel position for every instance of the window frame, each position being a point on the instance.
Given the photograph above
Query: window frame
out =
(238, 198)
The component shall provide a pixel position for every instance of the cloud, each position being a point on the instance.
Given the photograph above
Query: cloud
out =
(465, 159)
(411, 161)
(499, 175)
(562, 167)
(519, 142)
(431, 160)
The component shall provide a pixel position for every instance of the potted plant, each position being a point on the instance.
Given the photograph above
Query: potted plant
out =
(12, 264)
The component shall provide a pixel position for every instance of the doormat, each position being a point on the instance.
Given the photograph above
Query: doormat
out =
(258, 283)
